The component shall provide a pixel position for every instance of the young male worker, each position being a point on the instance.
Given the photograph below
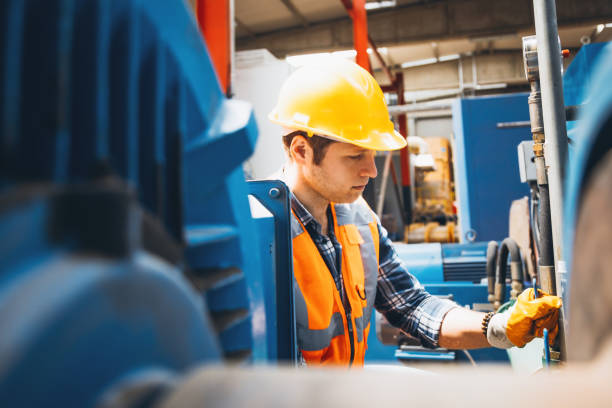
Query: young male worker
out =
(335, 119)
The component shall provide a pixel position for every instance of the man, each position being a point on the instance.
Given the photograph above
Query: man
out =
(335, 119)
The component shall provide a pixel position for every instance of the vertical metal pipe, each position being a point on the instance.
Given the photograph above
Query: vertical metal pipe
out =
(555, 147)
(360, 33)
(383, 186)
(232, 44)
(460, 73)
(545, 268)
(404, 153)
(214, 22)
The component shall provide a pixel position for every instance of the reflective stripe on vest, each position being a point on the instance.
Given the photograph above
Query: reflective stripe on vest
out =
(321, 320)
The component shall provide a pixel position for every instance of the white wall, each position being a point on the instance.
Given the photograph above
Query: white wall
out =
(257, 78)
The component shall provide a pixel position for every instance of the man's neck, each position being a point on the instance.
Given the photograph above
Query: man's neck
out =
(310, 199)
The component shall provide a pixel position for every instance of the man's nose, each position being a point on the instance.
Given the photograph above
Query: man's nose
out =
(370, 168)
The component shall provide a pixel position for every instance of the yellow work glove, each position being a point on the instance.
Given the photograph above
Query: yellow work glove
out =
(529, 317)
(525, 320)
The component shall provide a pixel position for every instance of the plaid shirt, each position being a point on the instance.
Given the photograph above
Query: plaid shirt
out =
(399, 295)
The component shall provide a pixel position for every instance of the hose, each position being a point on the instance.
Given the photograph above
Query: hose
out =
(469, 356)
(508, 246)
(533, 219)
(490, 268)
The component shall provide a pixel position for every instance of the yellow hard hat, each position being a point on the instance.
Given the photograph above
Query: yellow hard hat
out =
(337, 99)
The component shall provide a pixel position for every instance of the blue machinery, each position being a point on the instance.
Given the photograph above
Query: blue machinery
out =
(129, 254)
(451, 271)
(485, 146)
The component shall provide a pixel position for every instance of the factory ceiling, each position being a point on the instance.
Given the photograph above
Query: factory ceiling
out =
(413, 30)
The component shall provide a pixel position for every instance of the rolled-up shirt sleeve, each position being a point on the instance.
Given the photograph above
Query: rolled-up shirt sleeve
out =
(403, 300)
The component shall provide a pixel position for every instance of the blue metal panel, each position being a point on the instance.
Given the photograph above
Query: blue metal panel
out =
(423, 260)
(577, 80)
(120, 170)
(431, 356)
(262, 292)
(426, 262)
(485, 158)
(75, 322)
(274, 195)
(591, 142)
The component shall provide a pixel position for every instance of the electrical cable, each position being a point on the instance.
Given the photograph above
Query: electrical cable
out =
(533, 219)
(467, 353)
(469, 356)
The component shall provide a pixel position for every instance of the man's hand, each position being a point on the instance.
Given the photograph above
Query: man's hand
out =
(525, 320)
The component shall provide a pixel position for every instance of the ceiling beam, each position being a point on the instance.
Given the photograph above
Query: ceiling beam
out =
(289, 4)
(432, 21)
(243, 27)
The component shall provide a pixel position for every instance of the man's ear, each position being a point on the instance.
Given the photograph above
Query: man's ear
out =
(300, 150)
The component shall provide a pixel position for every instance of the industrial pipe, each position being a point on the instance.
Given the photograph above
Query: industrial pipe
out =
(546, 269)
(396, 110)
(508, 246)
(491, 265)
(549, 150)
(553, 107)
(546, 259)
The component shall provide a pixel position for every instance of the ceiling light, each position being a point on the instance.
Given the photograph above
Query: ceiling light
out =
(600, 28)
(299, 60)
(492, 86)
(381, 50)
(418, 63)
(380, 4)
(450, 57)
(609, 25)
(348, 54)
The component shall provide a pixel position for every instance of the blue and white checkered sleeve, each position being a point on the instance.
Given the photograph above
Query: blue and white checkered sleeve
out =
(403, 300)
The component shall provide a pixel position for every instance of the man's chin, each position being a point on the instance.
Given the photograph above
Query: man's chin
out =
(348, 199)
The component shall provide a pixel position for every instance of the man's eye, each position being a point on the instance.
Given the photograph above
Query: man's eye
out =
(357, 157)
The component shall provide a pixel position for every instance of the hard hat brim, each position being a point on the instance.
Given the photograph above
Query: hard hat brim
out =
(373, 140)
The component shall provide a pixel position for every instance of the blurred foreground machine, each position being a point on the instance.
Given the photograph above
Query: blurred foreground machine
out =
(128, 252)
(131, 254)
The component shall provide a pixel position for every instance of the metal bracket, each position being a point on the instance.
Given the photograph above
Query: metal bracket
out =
(275, 196)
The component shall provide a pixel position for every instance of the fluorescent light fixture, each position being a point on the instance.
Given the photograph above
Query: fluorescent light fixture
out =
(373, 5)
(450, 57)
(418, 63)
(299, 60)
(609, 25)
(600, 28)
(492, 86)
(348, 54)
(381, 50)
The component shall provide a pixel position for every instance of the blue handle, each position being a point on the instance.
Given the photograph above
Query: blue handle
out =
(546, 349)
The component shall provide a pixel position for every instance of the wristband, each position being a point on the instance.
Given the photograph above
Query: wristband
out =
(485, 322)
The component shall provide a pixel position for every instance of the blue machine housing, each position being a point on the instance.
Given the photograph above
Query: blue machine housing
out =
(590, 135)
(454, 271)
(487, 173)
(128, 254)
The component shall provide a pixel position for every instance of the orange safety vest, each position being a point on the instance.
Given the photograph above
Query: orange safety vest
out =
(326, 332)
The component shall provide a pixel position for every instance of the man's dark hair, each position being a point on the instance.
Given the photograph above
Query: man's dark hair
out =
(318, 144)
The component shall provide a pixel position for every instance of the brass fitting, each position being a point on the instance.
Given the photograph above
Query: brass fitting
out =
(538, 149)
(538, 137)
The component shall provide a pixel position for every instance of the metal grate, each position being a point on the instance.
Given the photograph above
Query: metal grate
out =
(466, 271)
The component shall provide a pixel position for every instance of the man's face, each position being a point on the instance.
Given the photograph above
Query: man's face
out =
(343, 173)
